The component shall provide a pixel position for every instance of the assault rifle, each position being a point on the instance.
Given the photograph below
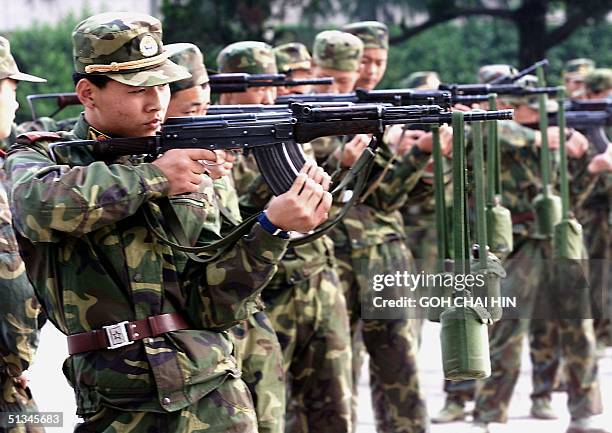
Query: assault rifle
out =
(590, 117)
(62, 100)
(261, 108)
(529, 70)
(398, 97)
(237, 82)
(465, 90)
(219, 83)
(273, 137)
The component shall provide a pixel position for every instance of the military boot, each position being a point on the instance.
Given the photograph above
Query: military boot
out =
(586, 425)
(541, 409)
(480, 427)
(452, 411)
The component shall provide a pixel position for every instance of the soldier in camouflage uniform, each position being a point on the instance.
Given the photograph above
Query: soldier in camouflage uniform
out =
(20, 317)
(257, 349)
(370, 240)
(459, 392)
(147, 324)
(304, 303)
(590, 202)
(520, 184)
(598, 85)
(191, 96)
(259, 59)
(574, 72)
(293, 60)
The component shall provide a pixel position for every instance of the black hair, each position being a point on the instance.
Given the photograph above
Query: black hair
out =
(97, 80)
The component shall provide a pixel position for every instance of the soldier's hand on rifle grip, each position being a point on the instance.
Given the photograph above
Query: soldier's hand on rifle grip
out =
(223, 166)
(601, 163)
(302, 208)
(576, 143)
(553, 138)
(352, 150)
(402, 141)
(425, 141)
(316, 173)
(446, 140)
(183, 169)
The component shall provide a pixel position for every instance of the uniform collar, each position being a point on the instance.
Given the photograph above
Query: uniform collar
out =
(84, 131)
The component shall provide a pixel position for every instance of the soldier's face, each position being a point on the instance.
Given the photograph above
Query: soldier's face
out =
(8, 105)
(344, 81)
(372, 68)
(296, 75)
(526, 115)
(253, 95)
(573, 86)
(124, 111)
(193, 101)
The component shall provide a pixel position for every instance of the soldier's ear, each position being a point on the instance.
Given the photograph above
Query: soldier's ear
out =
(86, 92)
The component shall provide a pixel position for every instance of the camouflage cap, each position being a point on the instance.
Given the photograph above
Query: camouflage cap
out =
(373, 34)
(598, 80)
(126, 47)
(189, 57)
(337, 50)
(292, 57)
(250, 57)
(488, 73)
(8, 67)
(422, 80)
(576, 69)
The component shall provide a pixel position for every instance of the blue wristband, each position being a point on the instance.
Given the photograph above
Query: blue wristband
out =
(270, 227)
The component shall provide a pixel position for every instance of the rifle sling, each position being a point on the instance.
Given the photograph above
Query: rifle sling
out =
(174, 225)
(359, 172)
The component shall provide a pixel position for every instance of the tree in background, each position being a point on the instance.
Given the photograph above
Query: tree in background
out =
(454, 48)
(45, 51)
(530, 18)
(213, 24)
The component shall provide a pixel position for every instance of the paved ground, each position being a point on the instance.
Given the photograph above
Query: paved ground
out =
(430, 375)
(53, 393)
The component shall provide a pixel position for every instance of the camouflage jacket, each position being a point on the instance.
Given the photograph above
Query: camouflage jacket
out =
(376, 219)
(420, 207)
(93, 262)
(298, 263)
(589, 194)
(19, 309)
(521, 174)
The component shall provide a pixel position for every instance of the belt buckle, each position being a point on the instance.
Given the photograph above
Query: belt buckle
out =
(117, 335)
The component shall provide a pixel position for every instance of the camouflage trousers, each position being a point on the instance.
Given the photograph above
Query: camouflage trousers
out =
(260, 359)
(598, 239)
(391, 344)
(311, 322)
(227, 409)
(421, 241)
(576, 335)
(14, 399)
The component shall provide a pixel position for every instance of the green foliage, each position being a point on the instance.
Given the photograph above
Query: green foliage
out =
(45, 51)
(218, 23)
(456, 50)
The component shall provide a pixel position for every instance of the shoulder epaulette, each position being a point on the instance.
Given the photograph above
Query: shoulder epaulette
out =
(34, 136)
